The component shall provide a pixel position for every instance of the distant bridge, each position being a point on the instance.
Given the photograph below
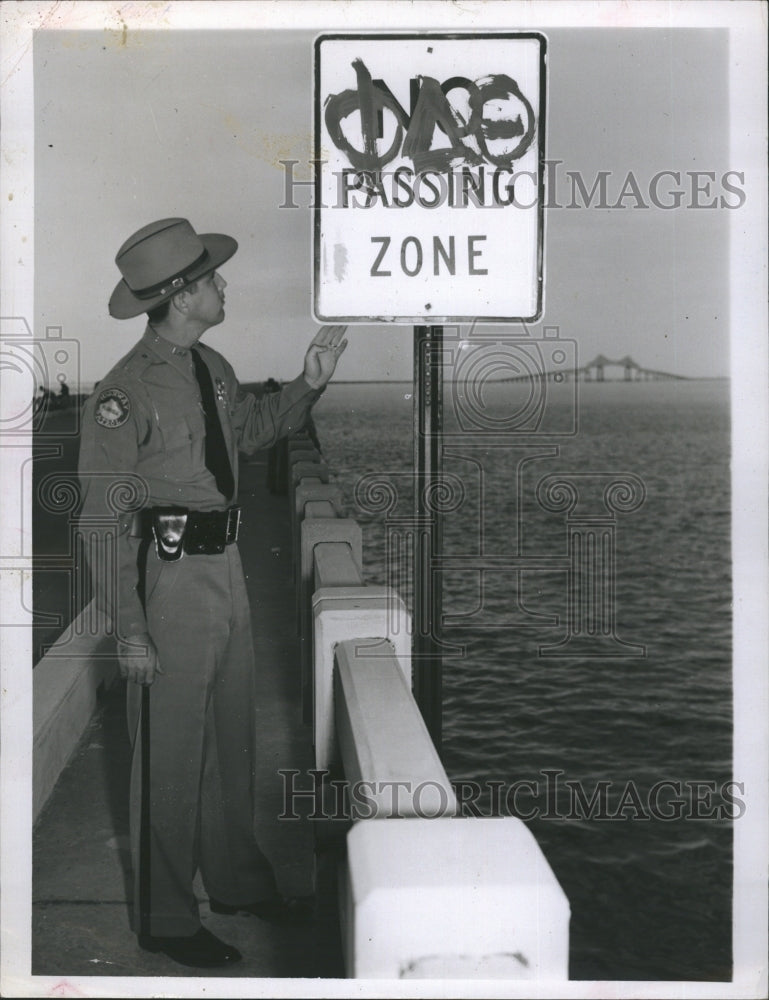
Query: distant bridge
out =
(631, 370)
(595, 371)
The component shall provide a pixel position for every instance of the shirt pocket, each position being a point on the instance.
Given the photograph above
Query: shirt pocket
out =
(177, 434)
(183, 445)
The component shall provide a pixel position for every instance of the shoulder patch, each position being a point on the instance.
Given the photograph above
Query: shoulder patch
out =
(113, 408)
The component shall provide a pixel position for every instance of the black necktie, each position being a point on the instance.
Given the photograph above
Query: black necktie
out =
(217, 460)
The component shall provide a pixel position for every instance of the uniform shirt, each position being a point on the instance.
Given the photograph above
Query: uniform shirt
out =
(143, 445)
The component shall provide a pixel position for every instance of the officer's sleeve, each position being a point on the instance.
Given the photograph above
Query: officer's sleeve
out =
(259, 423)
(113, 425)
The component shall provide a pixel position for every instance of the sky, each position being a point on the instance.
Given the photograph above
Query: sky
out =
(140, 125)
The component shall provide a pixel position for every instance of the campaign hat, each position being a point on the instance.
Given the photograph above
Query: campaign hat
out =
(160, 260)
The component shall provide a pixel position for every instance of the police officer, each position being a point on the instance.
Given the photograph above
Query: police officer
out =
(159, 470)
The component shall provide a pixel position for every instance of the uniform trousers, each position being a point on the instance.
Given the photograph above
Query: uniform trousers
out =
(201, 747)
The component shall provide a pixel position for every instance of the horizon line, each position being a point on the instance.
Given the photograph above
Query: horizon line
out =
(77, 389)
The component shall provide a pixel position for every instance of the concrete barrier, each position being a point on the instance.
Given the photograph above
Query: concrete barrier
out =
(308, 470)
(316, 531)
(310, 490)
(343, 613)
(383, 740)
(304, 491)
(278, 460)
(452, 899)
(299, 441)
(335, 567)
(319, 508)
(434, 895)
(304, 453)
(65, 684)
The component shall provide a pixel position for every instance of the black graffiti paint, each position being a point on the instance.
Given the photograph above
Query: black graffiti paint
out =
(370, 101)
(433, 109)
(507, 135)
(498, 118)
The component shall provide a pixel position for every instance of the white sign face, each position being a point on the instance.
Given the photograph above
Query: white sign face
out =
(429, 182)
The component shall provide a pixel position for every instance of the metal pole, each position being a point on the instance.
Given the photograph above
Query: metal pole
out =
(428, 543)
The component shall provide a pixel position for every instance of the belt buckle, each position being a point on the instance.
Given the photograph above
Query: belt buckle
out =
(231, 531)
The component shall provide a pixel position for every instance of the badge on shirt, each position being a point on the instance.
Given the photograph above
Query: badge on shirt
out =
(221, 391)
(113, 408)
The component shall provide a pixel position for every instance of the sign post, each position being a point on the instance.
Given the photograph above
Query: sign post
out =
(427, 666)
(429, 209)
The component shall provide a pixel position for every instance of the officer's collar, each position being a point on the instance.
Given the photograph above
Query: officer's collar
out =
(164, 349)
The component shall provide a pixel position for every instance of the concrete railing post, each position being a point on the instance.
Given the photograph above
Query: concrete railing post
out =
(312, 491)
(383, 740)
(343, 613)
(316, 531)
(308, 470)
(452, 899)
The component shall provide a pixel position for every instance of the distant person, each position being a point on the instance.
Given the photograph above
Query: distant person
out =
(62, 400)
(40, 400)
(172, 413)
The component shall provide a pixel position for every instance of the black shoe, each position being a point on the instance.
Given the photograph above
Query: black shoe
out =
(203, 950)
(277, 910)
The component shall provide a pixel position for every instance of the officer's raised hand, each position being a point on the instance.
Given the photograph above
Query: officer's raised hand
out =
(323, 354)
(138, 659)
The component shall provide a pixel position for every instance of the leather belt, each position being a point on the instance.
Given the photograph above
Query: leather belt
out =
(176, 530)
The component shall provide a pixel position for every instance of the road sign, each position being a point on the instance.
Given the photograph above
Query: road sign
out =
(430, 188)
